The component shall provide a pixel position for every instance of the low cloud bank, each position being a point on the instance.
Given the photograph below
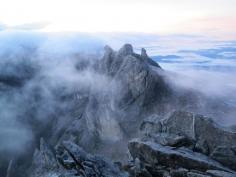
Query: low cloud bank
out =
(36, 69)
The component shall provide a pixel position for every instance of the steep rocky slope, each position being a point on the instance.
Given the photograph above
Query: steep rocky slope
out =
(162, 150)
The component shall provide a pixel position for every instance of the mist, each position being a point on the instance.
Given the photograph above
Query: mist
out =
(36, 70)
(210, 83)
(40, 72)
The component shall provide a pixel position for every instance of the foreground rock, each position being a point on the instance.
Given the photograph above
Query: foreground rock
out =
(184, 145)
(217, 173)
(69, 160)
(197, 132)
(153, 154)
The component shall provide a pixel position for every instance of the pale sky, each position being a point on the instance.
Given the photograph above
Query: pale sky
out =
(216, 17)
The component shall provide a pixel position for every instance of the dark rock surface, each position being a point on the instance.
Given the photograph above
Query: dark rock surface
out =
(226, 155)
(153, 153)
(175, 145)
(216, 173)
(203, 130)
(70, 160)
(135, 87)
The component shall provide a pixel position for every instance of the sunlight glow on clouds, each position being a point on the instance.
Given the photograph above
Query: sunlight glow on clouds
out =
(157, 16)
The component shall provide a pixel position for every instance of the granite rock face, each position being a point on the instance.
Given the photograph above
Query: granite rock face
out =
(201, 130)
(133, 87)
(69, 160)
(153, 153)
(184, 141)
(226, 155)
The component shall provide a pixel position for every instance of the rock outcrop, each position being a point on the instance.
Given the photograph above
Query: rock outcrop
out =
(156, 154)
(203, 130)
(185, 141)
(69, 160)
(133, 88)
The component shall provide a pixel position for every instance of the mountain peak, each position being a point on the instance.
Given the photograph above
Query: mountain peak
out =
(127, 49)
(144, 53)
(108, 49)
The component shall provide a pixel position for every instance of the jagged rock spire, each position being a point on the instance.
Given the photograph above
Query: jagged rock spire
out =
(108, 49)
(127, 49)
(144, 53)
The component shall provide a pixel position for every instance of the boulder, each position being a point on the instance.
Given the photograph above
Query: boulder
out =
(217, 173)
(180, 172)
(232, 128)
(198, 133)
(87, 164)
(204, 131)
(225, 155)
(70, 160)
(173, 140)
(153, 154)
(151, 125)
(44, 161)
(194, 174)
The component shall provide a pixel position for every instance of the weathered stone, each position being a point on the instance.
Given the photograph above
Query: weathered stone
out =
(153, 154)
(91, 165)
(173, 140)
(180, 123)
(217, 173)
(44, 161)
(194, 174)
(212, 134)
(151, 125)
(71, 161)
(65, 158)
(225, 155)
(180, 172)
(207, 134)
(232, 128)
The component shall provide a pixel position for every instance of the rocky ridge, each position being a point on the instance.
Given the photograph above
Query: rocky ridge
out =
(182, 145)
(131, 121)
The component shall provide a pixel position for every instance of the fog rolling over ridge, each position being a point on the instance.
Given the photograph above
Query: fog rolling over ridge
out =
(63, 87)
(35, 69)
